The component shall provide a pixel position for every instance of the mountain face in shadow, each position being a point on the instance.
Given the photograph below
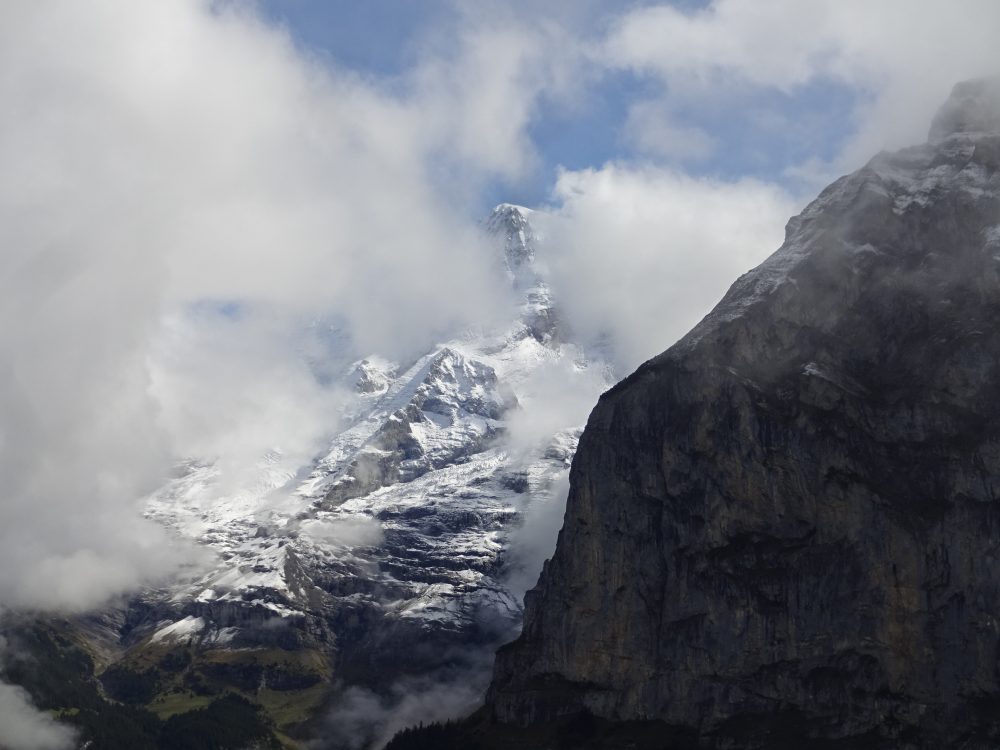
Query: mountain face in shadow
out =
(786, 528)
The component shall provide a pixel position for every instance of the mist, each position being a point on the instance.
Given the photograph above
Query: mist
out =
(638, 256)
(24, 727)
(173, 225)
(363, 719)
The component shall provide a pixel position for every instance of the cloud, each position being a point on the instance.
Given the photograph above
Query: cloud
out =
(24, 727)
(482, 92)
(554, 399)
(898, 58)
(638, 255)
(557, 395)
(161, 157)
(363, 719)
(232, 385)
(349, 531)
(726, 38)
(651, 130)
(534, 540)
(195, 213)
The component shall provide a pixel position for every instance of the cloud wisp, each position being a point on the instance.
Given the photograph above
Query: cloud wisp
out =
(897, 59)
(24, 727)
(364, 720)
(639, 255)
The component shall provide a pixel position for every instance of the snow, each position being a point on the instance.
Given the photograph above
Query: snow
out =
(221, 637)
(992, 235)
(448, 512)
(811, 369)
(181, 631)
(510, 208)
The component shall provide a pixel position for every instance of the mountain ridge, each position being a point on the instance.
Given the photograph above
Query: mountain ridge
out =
(384, 558)
(776, 529)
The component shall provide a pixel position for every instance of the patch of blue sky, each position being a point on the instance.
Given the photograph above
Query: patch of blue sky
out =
(766, 133)
(587, 133)
(371, 37)
(753, 132)
(225, 309)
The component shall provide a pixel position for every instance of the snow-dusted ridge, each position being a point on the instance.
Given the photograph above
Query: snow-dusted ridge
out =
(401, 525)
(957, 160)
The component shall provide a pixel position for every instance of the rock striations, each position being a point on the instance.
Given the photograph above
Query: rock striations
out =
(786, 528)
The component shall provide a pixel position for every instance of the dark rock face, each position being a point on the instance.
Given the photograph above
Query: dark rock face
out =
(788, 524)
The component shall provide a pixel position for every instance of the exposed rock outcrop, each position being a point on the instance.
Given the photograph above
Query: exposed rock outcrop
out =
(786, 528)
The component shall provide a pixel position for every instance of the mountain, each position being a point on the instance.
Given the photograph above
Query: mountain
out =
(386, 557)
(784, 530)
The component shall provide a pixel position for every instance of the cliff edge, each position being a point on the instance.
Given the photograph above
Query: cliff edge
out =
(786, 527)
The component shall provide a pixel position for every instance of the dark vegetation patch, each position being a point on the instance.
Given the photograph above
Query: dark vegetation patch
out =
(59, 675)
(228, 722)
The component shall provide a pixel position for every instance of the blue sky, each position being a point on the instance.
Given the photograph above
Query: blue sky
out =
(757, 131)
(373, 36)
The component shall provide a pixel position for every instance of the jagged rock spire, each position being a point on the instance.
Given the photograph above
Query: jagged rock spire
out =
(973, 107)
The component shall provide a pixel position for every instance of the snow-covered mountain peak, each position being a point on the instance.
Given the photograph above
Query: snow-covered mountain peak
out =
(371, 375)
(973, 107)
(512, 208)
(389, 551)
(510, 225)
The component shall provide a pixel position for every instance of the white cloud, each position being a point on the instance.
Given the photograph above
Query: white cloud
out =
(24, 727)
(639, 255)
(232, 387)
(160, 154)
(482, 92)
(349, 531)
(363, 720)
(728, 37)
(557, 395)
(534, 540)
(651, 130)
(899, 57)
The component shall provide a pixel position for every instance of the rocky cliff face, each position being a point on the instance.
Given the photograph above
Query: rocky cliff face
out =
(787, 526)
